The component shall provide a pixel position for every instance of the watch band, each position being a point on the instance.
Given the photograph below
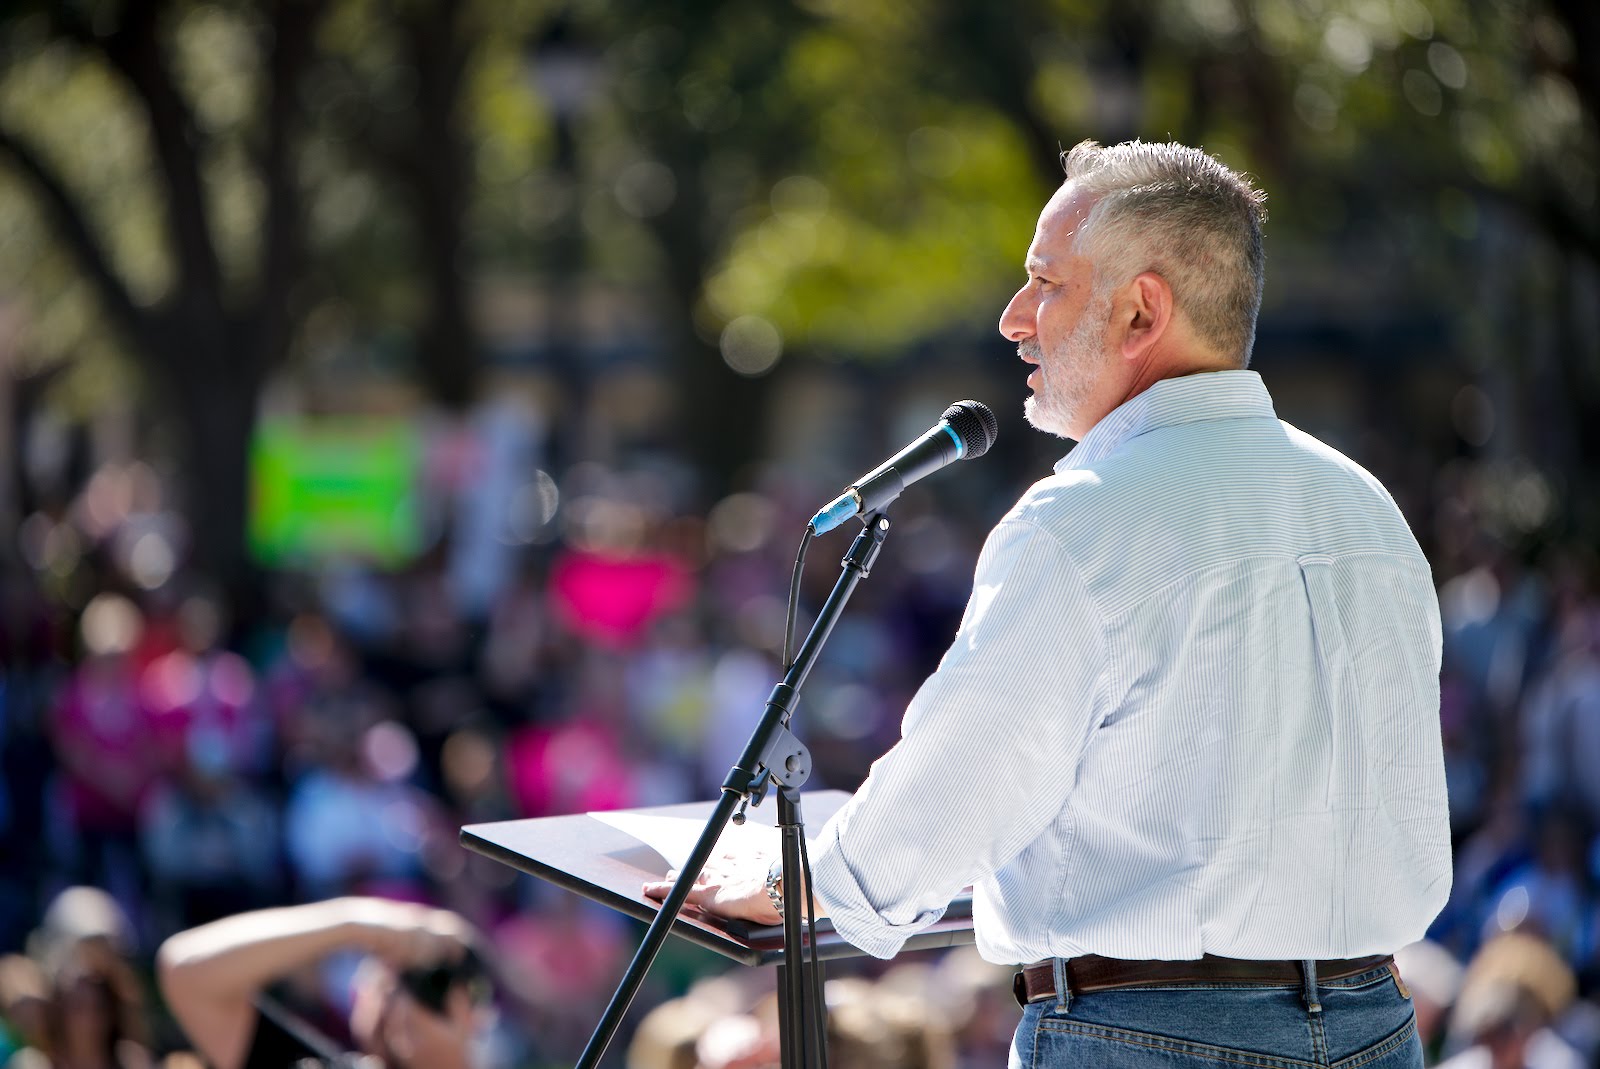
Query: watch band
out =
(775, 885)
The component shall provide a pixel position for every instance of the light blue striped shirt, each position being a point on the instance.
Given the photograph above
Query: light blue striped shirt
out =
(1192, 707)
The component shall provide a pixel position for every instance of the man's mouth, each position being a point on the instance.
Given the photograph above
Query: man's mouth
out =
(1030, 354)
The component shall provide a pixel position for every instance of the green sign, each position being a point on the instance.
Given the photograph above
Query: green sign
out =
(335, 488)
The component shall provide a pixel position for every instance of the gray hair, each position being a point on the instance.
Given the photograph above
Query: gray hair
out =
(1177, 211)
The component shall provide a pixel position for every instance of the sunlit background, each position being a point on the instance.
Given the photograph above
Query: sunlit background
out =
(411, 409)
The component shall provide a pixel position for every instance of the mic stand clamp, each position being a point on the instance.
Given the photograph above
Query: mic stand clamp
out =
(773, 754)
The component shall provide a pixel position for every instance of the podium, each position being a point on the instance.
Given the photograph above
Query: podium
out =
(609, 866)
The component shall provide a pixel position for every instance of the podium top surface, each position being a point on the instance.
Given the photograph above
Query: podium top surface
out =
(609, 866)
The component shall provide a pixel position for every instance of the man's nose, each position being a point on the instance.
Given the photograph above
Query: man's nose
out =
(1016, 322)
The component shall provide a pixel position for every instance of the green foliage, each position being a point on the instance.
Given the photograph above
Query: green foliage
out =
(863, 175)
(891, 253)
(84, 126)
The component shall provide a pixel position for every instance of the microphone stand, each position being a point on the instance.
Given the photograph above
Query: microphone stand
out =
(771, 755)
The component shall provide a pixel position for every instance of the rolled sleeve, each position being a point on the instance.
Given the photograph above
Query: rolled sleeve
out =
(853, 916)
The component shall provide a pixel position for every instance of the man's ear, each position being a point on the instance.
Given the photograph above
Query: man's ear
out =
(1143, 315)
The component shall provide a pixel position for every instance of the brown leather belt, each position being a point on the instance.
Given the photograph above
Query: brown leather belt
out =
(1094, 973)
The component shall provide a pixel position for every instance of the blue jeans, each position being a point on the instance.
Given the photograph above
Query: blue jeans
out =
(1364, 1022)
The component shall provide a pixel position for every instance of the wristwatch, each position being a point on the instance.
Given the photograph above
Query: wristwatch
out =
(775, 885)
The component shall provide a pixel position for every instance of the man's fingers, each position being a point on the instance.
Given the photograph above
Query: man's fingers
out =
(672, 877)
(699, 893)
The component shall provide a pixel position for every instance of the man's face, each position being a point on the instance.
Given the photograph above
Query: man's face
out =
(1059, 325)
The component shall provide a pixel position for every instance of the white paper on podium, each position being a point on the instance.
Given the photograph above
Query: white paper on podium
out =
(674, 837)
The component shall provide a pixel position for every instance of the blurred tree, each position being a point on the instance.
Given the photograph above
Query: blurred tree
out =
(91, 94)
(792, 185)
(698, 127)
(1424, 142)
(228, 182)
(1341, 95)
(214, 180)
(395, 103)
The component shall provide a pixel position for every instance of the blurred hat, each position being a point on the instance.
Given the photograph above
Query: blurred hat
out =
(1431, 971)
(667, 1036)
(78, 914)
(1512, 975)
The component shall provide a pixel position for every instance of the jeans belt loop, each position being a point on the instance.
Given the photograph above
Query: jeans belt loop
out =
(1308, 969)
(1058, 967)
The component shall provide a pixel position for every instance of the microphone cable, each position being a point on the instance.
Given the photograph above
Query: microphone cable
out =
(794, 598)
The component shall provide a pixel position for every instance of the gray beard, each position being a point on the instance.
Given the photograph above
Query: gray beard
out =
(1066, 378)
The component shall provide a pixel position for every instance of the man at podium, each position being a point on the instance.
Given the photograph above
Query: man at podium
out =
(1185, 745)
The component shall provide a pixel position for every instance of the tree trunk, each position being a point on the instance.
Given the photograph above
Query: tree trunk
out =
(212, 391)
(449, 359)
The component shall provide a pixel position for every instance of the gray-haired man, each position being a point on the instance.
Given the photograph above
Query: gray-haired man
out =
(1185, 745)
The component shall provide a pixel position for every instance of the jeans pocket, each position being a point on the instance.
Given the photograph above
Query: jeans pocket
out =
(1400, 1050)
(1058, 1043)
(1369, 1027)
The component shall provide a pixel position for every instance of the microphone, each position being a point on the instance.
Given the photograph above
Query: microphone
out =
(967, 429)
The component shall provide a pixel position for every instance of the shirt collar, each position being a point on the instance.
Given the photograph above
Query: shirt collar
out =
(1197, 398)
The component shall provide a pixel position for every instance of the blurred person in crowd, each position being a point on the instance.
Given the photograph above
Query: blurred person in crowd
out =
(668, 1035)
(78, 916)
(1561, 717)
(1552, 893)
(561, 957)
(1490, 613)
(96, 1011)
(573, 762)
(31, 642)
(1433, 975)
(203, 697)
(1491, 851)
(94, 1007)
(24, 1006)
(210, 841)
(1514, 989)
(512, 657)
(1469, 752)
(313, 673)
(353, 820)
(1188, 732)
(985, 1009)
(109, 752)
(418, 1000)
(870, 1026)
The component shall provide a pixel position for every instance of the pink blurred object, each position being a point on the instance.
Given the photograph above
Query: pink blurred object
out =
(571, 768)
(614, 600)
(104, 739)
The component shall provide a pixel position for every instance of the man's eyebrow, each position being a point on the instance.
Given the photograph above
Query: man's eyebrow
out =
(1036, 265)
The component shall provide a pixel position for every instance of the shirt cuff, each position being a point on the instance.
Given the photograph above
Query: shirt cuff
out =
(853, 915)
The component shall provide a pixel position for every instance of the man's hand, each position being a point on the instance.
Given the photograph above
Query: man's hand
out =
(733, 885)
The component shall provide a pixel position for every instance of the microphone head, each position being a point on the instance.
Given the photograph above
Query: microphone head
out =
(974, 424)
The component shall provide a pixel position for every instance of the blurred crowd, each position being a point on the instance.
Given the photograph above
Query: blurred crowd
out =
(192, 757)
